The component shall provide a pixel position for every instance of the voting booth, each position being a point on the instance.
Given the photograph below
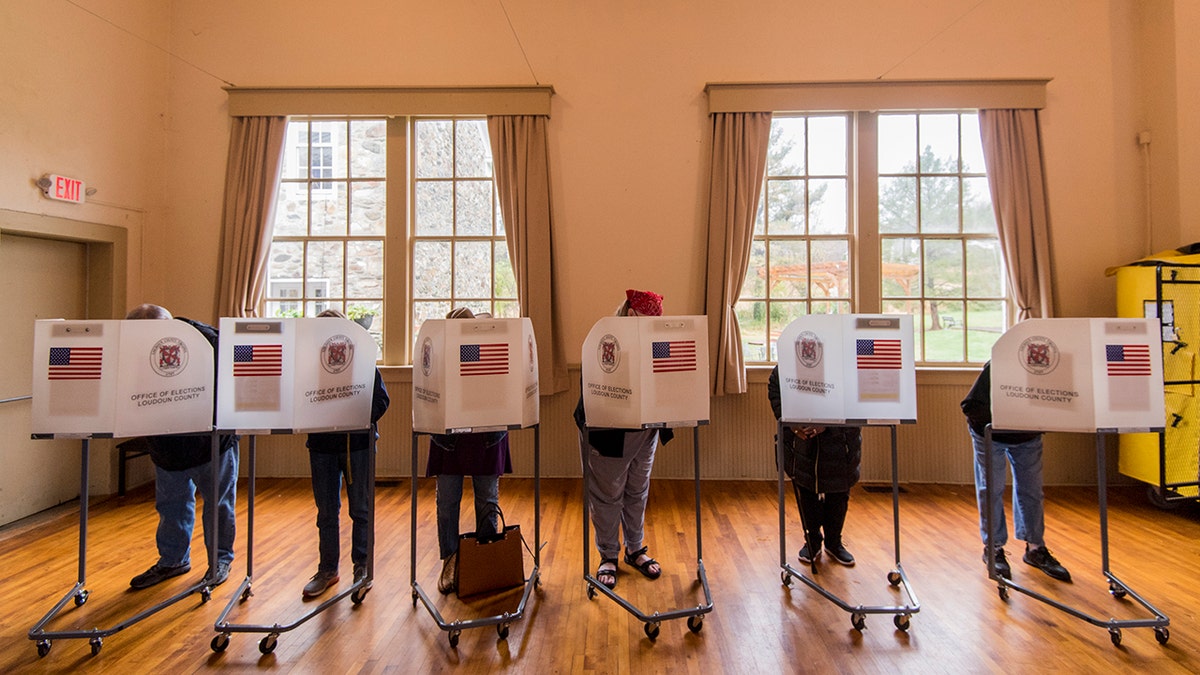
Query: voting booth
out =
(848, 370)
(106, 378)
(1087, 376)
(646, 371)
(475, 374)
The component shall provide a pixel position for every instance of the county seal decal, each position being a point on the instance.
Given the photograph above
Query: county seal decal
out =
(1038, 355)
(809, 349)
(608, 353)
(169, 357)
(337, 354)
(427, 356)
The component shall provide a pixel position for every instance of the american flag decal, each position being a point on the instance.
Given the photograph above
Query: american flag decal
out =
(75, 363)
(483, 359)
(1125, 360)
(878, 354)
(257, 360)
(673, 357)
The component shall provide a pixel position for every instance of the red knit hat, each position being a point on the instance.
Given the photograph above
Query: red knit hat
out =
(646, 303)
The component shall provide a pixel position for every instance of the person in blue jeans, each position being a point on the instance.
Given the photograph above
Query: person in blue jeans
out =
(1023, 450)
(483, 457)
(333, 456)
(183, 466)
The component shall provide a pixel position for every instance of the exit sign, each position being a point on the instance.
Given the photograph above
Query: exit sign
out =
(65, 189)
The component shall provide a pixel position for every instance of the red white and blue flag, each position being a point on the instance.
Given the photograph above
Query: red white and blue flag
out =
(1126, 360)
(75, 363)
(257, 360)
(878, 354)
(483, 359)
(673, 357)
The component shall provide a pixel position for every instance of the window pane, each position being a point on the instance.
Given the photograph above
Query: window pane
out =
(827, 146)
(755, 284)
(782, 314)
(789, 269)
(286, 262)
(431, 261)
(499, 214)
(830, 268)
(507, 309)
(985, 325)
(435, 149)
(827, 307)
(978, 215)
(473, 269)
(364, 269)
(368, 207)
(435, 210)
(759, 213)
(901, 267)
(897, 143)
(943, 342)
(939, 204)
(827, 206)
(473, 207)
(473, 153)
(368, 148)
(329, 145)
(295, 151)
(898, 205)
(939, 143)
(912, 308)
(504, 281)
(325, 267)
(427, 310)
(785, 202)
(984, 275)
(972, 145)
(943, 268)
(752, 322)
(291, 210)
(785, 156)
(329, 209)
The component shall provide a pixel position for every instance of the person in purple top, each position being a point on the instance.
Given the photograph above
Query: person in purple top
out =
(483, 457)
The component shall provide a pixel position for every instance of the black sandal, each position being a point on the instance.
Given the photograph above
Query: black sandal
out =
(600, 573)
(644, 568)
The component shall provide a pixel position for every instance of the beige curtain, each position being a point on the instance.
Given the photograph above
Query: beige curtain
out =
(522, 170)
(739, 161)
(1013, 154)
(251, 179)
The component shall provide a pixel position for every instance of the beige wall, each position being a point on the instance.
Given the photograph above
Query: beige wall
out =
(128, 95)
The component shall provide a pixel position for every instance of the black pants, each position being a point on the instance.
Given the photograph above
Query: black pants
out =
(822, 516)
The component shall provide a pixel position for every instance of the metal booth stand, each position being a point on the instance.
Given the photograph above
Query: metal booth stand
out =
(357, 591)
(80, 594)
(896, 577)
(1116, 587)
(500, 621)
(651, 622)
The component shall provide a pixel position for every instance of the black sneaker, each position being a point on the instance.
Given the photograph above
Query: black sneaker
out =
(807, 556)
(320, 582)
(219, 578)
(841, 555)
(158, 574)
(1042, 559)
(1003, 569)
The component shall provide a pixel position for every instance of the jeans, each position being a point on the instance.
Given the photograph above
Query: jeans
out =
(449, 499)
(618, 489)
(1028, 512)
(327, 471)
(175, 500)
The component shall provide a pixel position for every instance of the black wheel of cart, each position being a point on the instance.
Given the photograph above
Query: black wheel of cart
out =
(219, 642)
(1158, 497)
(96, 644)
(859, 621)
(1116, 590)
(205, 594)
(591, 592)
(268, 644)
(651, 629)
(1115, 635)
(359, 595)
(901, 621)
(454, 638)
(502, 631)
(1162, 634)
(43, 647)
(81, 597)
(894, 577)
(414, 598)
(786, 578)
(1004, 593)
(695, 623)
(246, 594)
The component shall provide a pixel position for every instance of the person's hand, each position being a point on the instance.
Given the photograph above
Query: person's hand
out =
(806, 431)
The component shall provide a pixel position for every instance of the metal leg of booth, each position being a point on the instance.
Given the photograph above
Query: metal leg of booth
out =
(902, 614)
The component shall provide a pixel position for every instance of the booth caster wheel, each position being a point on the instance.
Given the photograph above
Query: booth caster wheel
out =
(591, 592)
(695, 623)
(219, 642)
(414, 598)
(651, 630)
(96, 644)
(859, 621)
(894, 577)
(454, 638)
(901, 621)
(246, 594)
(1158, 498)
(502, 631)
(1115, 635)
(359, 595)
(268, 644)
(1116, 590)
(1004, 593)
(80, 598)
(43, 647)
(786, 578)
(1162, 635)
(205, 594)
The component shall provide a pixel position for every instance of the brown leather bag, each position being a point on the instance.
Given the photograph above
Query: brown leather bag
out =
(491, 563)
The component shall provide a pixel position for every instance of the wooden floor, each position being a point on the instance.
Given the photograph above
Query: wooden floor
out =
(756, 626)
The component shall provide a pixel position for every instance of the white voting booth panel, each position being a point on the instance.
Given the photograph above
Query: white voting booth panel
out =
(839, 368)
(120, 378)
(475, 374)
(646, 371)
(294, 375)
(1078, 375)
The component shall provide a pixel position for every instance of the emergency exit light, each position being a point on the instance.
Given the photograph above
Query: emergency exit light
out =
(63, 189)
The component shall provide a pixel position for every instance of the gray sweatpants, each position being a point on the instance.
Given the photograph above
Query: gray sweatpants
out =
(617, 491)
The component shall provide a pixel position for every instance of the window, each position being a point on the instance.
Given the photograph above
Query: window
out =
(338, 242)
(877, 212)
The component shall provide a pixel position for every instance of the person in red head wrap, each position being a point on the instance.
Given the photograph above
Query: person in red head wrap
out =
(644, 303)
